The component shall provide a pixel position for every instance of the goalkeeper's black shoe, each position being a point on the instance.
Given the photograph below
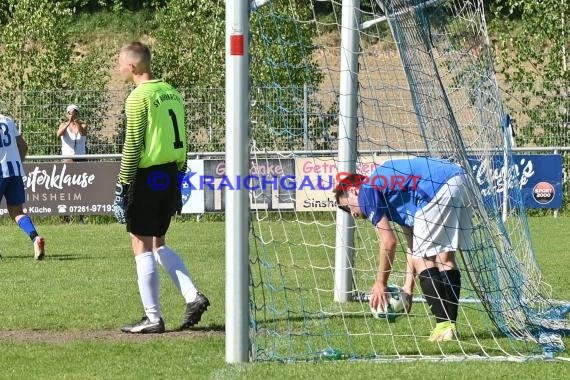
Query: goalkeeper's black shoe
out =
(194, 311)
(145, 326)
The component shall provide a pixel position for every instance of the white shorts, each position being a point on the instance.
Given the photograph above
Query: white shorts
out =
(445, 223)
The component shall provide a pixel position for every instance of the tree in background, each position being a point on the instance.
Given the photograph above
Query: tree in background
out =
(190, 54)
(39, 63)
(35, 52)
(112, 5)
(283, 73)
(531, 42)
(49, 61)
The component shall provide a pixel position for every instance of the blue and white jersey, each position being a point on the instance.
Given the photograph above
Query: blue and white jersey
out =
(10, 162)
(400, 187)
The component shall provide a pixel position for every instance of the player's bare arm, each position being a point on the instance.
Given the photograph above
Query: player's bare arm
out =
(387, 253)
(410, 272)
(22, 147)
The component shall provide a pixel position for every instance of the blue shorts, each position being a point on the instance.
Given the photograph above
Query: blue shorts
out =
(12, 188)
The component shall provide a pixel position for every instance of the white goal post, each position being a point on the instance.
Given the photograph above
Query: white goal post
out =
(237, 166)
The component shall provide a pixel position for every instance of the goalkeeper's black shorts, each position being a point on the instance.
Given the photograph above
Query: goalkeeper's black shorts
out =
(153, 199)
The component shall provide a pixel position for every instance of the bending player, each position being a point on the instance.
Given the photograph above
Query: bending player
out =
(427, 197)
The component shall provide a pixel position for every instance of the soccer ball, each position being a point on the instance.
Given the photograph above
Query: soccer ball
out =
(397, 304)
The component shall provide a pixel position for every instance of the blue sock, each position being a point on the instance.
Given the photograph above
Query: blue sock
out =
(25, 223)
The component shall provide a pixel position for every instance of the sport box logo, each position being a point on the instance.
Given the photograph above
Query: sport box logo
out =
(543, 192)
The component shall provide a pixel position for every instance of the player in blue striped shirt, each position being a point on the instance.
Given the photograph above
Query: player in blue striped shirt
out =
(13, 150)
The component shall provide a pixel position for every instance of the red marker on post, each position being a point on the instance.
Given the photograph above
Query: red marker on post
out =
(236, 44)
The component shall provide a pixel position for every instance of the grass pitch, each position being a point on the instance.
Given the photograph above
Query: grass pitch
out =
(60, 317)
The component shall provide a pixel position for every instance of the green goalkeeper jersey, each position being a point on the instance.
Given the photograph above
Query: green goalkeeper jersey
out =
(155, 131)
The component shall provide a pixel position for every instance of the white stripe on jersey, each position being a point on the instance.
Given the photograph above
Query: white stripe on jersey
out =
(10, 162)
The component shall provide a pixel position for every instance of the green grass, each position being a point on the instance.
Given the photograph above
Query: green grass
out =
(297, 317)
(60, 317)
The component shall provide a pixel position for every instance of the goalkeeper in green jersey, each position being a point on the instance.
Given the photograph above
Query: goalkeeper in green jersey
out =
(147, 194)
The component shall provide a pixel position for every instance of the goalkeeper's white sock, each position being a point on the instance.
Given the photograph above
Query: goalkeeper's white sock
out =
(148, 280)
(175, 267)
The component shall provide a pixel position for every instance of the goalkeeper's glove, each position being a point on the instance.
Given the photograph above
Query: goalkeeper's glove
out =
(179, 204)
(120, 202)
(181, 176)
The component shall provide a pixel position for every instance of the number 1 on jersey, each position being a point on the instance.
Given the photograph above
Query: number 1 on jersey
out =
(177, 142)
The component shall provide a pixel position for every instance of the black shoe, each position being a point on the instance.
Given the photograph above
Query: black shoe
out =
(194, 311)
(145, 326)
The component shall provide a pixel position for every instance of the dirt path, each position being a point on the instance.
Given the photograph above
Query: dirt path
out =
(51, 336)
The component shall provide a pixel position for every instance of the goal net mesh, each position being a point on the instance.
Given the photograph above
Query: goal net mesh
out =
(425, 87)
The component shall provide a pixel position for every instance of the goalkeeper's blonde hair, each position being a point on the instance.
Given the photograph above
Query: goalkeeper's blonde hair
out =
(137, 54)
